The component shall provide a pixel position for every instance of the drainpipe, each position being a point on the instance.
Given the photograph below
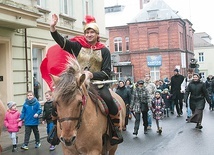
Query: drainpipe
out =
(186, 50)
(26, 61)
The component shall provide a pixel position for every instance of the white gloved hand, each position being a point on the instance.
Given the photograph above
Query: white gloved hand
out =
(35, 115)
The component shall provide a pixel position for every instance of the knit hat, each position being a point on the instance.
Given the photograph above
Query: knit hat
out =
(166, 89)
(11, 104)
(140, 82)
(176, 70)
(90, 22)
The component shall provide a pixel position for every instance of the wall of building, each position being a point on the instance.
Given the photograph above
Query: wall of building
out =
(13, 39)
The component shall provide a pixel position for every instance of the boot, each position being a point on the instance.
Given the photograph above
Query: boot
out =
(135, 132)
(14, 148)
(145, 129)
(116, 133)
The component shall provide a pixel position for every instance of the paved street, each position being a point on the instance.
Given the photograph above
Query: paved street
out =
(178, 138)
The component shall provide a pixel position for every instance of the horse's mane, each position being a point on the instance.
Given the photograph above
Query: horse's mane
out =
(65, 88)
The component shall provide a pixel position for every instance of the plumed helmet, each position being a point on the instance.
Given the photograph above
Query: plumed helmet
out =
(90, 22)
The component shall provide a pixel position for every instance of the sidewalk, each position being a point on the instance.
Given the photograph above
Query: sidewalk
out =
(6, 142)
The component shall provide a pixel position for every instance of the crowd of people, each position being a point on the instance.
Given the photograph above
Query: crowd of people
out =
(166, 97)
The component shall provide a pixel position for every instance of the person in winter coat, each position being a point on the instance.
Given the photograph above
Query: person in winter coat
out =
(125, 94)
(184, 85)
(157, 108)
(208, 84)
(12, 123)
(151, 87)
(139, 104)
(166, 99)
(177, 96)
(198, 93)
(130, 87)
(47, 110)
(30, 114)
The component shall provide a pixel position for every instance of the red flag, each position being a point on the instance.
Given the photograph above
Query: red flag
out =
(54, 63)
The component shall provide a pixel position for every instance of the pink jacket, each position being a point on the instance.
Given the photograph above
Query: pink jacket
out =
(11, 120)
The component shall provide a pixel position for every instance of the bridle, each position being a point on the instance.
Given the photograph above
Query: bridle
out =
(79, 119)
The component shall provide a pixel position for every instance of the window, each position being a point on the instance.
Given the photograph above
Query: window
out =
(127, 43)
(88, 7)
(153, 14)
(118, 44)
(201, 57)
(203, 78)
(153, 40)
(66, 7)
(155, 73)
(41, 3)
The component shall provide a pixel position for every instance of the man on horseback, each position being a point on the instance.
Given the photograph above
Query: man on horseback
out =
(95, 59)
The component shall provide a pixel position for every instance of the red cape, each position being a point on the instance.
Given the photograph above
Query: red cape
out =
(54, 63)
(84, 43)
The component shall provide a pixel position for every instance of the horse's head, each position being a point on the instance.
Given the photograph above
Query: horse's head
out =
(69, 99)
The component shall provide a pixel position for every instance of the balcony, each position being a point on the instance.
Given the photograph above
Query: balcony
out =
(17, 16)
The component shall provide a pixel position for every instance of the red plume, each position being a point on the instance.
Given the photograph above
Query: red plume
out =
(89, 19)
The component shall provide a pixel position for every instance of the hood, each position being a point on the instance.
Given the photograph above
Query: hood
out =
(12, 111)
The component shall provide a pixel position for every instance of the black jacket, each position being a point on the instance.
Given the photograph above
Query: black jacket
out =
(47, 111)
(125, 94)
(198, 94)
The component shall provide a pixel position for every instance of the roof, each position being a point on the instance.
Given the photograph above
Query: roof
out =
(155, 10)
(202, 39)
(132, 12)
(131, 8)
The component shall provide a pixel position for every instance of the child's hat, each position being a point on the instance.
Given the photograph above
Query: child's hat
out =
(11, 104)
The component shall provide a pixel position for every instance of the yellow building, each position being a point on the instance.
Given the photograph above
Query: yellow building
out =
(25, 39)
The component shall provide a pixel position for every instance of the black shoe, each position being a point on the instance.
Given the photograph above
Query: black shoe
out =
(199, 126)
(135, 132)
(145, 130)
(117, 137)
(116, 140)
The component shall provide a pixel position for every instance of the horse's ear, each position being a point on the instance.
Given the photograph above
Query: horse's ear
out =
(54, 78)
(81, 79)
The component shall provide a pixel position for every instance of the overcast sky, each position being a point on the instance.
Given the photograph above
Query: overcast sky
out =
(199, 12)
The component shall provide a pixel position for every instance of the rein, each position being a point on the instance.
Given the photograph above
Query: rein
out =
(75, 118)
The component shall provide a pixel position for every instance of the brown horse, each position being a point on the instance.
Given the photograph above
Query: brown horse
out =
(2, 116)
(81, 124)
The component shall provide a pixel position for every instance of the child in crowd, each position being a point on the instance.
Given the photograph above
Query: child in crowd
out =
(157, 108)
(166, 99)
(47, 114)
(30, 114)
(12, 123)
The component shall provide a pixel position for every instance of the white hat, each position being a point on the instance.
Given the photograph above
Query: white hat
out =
(90, 22)
(11, 104)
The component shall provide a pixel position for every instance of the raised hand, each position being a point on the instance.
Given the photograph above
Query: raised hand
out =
(53, 22)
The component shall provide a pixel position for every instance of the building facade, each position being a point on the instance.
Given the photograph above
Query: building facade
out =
(156, 41)
(204, 50)
(25, 38)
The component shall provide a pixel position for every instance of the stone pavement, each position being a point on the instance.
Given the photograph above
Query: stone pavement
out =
(6, 142)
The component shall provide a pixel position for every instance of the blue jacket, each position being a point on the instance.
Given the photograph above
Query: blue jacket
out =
(29, 109)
